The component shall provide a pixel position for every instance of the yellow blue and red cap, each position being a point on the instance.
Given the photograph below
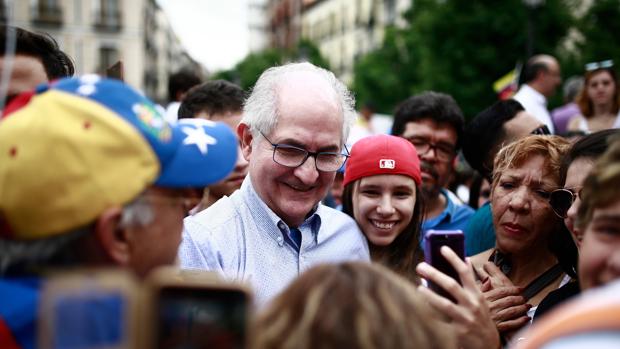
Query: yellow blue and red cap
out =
(82, 145)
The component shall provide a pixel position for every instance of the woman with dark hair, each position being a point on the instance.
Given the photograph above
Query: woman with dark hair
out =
(599, 100)
(381, 192)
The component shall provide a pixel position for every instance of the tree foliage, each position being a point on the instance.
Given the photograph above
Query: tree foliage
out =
(460, 48)
(246, 72)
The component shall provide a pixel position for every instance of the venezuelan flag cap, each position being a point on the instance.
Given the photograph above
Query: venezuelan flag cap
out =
(82, 145)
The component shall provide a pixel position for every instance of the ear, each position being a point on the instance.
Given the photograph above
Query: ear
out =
(245, 140)
(112, 237)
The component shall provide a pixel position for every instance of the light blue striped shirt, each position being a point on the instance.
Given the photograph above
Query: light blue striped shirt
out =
(242, 239)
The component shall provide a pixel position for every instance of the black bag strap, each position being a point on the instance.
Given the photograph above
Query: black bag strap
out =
(542, 281)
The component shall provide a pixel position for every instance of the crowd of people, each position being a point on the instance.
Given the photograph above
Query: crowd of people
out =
(95, 175)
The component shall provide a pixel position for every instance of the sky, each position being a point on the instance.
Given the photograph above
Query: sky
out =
(214, 32)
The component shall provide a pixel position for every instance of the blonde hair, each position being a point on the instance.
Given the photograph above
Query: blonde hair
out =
(601, 187)
(350, 305)
(552, 148)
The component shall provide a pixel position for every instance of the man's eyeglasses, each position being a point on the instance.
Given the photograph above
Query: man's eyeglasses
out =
(443, 151)
(599, 65)
(562, 199)
(292, 156)
(541, 130)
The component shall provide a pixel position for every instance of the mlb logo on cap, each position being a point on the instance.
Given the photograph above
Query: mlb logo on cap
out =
(387, 163)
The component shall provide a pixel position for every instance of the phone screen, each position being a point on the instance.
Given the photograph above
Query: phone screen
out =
(93, 320)
(434, 240)
(201, 318)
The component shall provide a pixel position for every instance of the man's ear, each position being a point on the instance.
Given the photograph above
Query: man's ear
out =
(245, 140)
(113, 237)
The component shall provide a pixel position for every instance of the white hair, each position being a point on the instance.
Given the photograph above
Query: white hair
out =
(137, 214)
(260, 111)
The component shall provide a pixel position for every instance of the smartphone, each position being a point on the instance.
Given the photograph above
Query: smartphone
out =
(197, 311)
(433, 241)
(89, 310)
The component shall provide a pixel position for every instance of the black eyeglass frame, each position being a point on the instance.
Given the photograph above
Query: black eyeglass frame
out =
(446, 154)
(308, 154)
(557, 210)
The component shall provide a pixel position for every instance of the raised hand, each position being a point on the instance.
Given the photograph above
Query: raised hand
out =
(470, 316)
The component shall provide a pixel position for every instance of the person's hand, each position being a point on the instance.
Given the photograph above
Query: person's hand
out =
(470, 316)
(508, 307)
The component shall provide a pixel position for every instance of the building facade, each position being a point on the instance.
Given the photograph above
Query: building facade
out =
(98, 33)
(345, 30)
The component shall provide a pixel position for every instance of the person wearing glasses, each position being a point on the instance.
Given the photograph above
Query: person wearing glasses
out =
(433, 123)
(382, 193)
(540, 78)
(498, 125)
(565, 202)
(591, 319)
(293, 130)
(91, 176)
(599, 100)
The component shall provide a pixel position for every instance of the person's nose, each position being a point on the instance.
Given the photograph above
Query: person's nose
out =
(519, 199)
(307, 173)
(430, 155)
(385, 207)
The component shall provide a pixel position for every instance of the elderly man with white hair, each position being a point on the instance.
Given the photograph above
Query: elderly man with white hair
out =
(274, 227)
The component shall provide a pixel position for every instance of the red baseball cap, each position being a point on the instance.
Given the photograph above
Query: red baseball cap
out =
(382, 154)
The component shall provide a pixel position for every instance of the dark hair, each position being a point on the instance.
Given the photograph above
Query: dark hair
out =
(591, 146)
(404, 253)
(180, 82)
(42, 46)
(212, 97)
(440, 107)
(531, 69)
(485, 131)
(584, 102)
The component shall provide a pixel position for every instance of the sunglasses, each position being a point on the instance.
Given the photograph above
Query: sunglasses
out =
(562, 199)
(599, 65)
(541, 130)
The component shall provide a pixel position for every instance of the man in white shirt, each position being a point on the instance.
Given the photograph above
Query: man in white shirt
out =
(541, 77)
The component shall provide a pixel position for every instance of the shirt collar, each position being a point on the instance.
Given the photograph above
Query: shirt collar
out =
(537, 96)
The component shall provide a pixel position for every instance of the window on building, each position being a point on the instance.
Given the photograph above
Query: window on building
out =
(107, 14)
(108, 55)
(46, 12)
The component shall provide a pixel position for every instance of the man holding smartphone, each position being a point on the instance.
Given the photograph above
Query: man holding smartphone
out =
(274, 227)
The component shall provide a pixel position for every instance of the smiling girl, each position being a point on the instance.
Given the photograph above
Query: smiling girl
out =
(381, 192)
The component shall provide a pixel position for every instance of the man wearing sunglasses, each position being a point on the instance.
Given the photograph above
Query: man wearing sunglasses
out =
(274, 227)
(540, 78)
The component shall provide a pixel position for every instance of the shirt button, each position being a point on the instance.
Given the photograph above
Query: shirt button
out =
(280, 240)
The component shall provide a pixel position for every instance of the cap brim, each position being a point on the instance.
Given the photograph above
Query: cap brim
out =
(206, 154)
